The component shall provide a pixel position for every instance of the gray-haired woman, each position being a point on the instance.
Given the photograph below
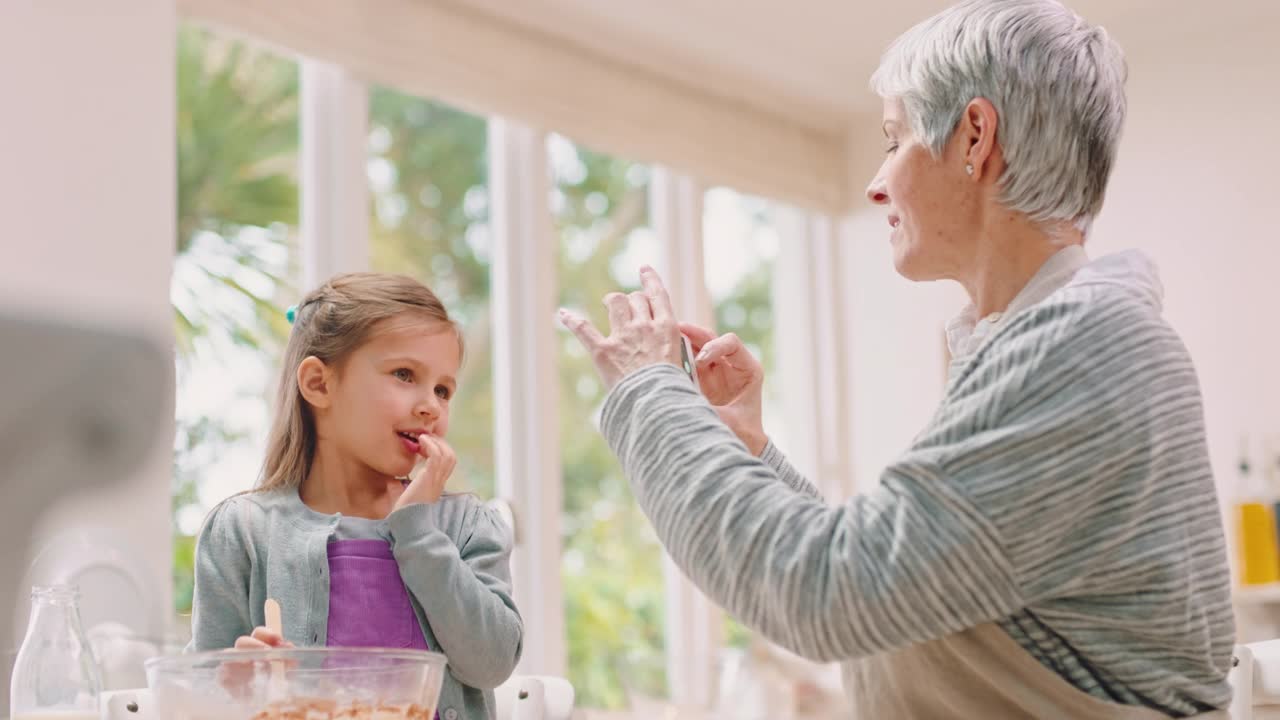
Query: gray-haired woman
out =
(1050, 545)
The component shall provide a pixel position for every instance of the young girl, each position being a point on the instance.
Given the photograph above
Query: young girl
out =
(356, 554)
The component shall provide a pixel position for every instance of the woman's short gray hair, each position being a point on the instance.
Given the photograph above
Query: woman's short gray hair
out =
(1057, 84)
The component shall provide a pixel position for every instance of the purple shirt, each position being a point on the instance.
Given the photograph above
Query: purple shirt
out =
(369, 605)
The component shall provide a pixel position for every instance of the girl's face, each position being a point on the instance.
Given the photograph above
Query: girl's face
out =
(386, 393)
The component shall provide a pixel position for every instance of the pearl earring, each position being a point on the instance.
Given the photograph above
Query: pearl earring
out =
(968, 169)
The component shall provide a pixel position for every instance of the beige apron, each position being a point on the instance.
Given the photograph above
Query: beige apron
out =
(980, 673)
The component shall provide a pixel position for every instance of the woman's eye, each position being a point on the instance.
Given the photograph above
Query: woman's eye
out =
(891, 148)
(443, 392)
(404, 374)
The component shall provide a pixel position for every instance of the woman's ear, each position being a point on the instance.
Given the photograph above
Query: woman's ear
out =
(978, 126)
(314, 380)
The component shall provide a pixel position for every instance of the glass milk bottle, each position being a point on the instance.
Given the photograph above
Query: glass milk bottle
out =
(54, 676)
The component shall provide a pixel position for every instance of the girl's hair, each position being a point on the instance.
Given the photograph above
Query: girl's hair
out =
(331, 323)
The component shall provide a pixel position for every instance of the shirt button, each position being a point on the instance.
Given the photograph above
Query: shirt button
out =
(450, 714)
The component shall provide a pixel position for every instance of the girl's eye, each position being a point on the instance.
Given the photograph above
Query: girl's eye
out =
(404, 374)
(443, 392)
(891, 149)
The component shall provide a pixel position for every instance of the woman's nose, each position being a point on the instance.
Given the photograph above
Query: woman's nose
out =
(877, 193)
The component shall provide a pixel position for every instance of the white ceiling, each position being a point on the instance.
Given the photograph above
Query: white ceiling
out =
(805, 59)
(767, 96)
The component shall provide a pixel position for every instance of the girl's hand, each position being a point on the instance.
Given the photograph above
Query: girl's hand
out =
(426, 483)
(237, 677)
(262, 639)
(733, 381)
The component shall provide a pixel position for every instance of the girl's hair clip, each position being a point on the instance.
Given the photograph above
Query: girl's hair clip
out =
(291, 313)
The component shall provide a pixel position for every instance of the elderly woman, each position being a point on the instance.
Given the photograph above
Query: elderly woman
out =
(1050, 545)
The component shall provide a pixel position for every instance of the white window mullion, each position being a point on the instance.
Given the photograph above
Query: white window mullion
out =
(833, 345)
(526, 383)
(675, 214)
(693, 623)
(334, 129)
(811, 344)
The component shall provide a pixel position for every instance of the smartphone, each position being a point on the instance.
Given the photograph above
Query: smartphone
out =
(686, 359)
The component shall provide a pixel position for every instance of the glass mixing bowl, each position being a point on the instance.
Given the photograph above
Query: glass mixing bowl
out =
(297, 684)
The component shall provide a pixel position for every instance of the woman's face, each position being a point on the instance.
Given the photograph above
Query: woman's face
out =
(933, 207)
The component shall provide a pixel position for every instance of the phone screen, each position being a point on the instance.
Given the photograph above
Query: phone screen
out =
(686, 358)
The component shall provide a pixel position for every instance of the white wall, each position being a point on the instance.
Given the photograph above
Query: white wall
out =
(87, 205)
(896, 364)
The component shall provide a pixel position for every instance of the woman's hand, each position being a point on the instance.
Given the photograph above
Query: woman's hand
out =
(426, 482)
(733, 381)
(642, 331)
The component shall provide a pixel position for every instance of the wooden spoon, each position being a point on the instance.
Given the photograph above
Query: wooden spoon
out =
(278, 688)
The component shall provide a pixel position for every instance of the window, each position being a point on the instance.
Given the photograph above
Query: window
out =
(235, 269)
(612, 562)
(740, 246)
(430, 207)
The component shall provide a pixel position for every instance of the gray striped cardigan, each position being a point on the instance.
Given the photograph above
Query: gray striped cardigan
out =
(1062, 490)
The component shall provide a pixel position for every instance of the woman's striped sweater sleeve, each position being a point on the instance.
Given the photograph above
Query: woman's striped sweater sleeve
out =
(1043, 444)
